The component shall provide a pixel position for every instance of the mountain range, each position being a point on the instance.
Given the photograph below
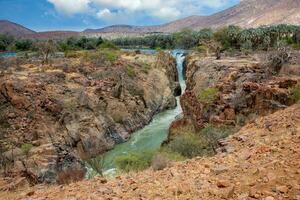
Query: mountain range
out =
(248, 13)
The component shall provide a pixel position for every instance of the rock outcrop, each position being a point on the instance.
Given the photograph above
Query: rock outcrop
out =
(234, 91)
(54, 118)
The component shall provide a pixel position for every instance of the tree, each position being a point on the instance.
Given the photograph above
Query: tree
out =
(23, 45)
(46, 48)
(186, 39)
(5, 42)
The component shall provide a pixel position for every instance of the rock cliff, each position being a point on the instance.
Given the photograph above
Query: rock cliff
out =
(54, 117)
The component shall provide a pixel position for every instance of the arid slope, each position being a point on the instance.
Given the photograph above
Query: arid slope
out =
(261, 161)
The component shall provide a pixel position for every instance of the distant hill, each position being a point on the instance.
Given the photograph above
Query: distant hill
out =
(16, 30)
(53, 34)
(248, 13)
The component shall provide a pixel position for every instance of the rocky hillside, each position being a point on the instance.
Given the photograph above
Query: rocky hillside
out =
(261, 161)
(55, 116)
(248, 13)
(10, 28)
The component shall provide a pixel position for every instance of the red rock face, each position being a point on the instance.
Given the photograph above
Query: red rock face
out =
(20, 102)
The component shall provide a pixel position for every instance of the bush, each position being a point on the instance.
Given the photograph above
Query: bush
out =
(295, 93)
(209, 95)
(108, 45)
(97, 164)
(160, 162)
(110, 55)
(130, 71)
(74, 54)
(134, 161)
(213, 134)
(100, 57)
(189, 146)
(26, 148)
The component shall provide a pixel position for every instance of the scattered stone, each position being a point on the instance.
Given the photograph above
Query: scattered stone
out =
(282, 189)
(223, 183)
(220, 169)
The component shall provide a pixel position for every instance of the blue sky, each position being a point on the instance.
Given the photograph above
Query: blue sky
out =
(41, 15)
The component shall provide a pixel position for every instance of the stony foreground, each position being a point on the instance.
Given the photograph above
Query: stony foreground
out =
(261, 161)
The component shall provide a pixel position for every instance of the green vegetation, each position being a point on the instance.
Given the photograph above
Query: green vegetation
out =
(6, 42)
(83, 43)
(97, 164)
(99, 57)
(208, 96)
(143, 160)
(26, 148)
(185, 144)
(212, 134)
(231, 37)
(130, 71)
(189, 146)
(295, 93)
(108, 45)
(134, 162)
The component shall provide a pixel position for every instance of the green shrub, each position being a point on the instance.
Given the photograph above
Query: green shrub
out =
(101, 56)
(97, 164)
(130, 71)
(73, 54)
(297, 46)
(110, 55)
(160, 162)
(209, 95)
(26, 148)
(108, 45)
(213, 134)
(134, 161)
(189, 146)
(145, 68)
(295, 93)
(171, 155)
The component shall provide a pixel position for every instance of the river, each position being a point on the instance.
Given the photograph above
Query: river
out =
(151, 136)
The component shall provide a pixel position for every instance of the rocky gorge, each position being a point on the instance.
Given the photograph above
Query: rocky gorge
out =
(254, 94)
(260, 161)
(55, 116)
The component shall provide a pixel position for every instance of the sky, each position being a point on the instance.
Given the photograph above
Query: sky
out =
(77, 15)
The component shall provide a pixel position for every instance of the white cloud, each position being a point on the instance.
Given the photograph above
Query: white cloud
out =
(118, 10)
(71, 7)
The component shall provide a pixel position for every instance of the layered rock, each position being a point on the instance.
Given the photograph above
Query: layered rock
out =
(238, 89)
(76, 109)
